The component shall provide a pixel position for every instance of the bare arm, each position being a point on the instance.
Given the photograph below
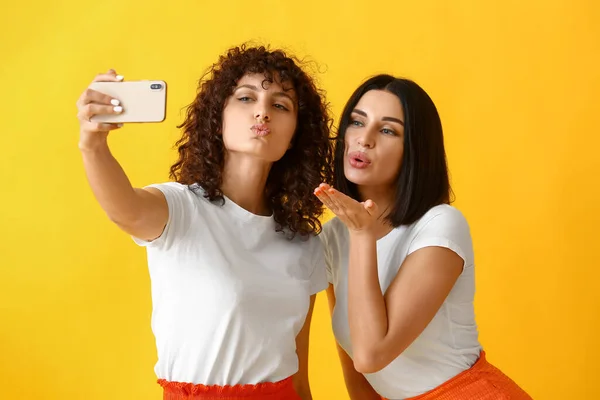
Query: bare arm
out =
(357, 385)
(301, 383)
(383, 327)
(142, 213)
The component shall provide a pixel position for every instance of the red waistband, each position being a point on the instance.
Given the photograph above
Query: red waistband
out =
(282, 390)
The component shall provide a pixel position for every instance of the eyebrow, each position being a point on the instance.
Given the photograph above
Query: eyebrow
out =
(276, 94)
(391, 119)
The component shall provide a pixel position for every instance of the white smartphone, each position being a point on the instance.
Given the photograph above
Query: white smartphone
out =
(142, 101)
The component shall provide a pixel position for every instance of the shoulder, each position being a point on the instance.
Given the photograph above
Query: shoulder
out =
(443, 217)
(170, 188)
(335, 239)
(443, 226)
(179, 191)
(333, 227)
(334, 233)
(186, 201)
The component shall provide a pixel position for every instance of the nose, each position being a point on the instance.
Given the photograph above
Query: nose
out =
(262, 116)
(366, 139)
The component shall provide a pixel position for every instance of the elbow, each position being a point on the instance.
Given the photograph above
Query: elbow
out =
(366, 367)
(368, 362)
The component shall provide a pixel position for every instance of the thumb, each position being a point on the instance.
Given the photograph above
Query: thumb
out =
(371, 207)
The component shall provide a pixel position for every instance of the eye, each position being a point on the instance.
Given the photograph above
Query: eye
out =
(281, 107)
(354, 122)
(244, 99)
(388, 131)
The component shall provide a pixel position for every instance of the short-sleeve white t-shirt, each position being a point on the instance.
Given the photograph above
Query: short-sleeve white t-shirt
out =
(449, 344)
(229, 293)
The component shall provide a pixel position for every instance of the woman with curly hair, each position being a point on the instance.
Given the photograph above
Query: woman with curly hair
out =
(234, 262)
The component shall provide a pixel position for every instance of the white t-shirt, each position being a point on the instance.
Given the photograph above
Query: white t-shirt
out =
(229, 294)
(449, 344)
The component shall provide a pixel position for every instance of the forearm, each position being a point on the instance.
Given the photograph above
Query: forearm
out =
(367, 312)
(110, 185)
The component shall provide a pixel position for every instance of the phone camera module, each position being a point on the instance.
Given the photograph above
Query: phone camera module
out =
(156, 86)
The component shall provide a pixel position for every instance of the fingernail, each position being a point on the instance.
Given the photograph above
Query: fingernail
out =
(115, 102)
(119, 125)
(119, 77)
(118, 109)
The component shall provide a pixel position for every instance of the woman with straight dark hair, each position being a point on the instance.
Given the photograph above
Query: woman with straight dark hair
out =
(400, 258)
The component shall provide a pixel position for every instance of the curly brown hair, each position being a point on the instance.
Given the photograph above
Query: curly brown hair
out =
(292, 179)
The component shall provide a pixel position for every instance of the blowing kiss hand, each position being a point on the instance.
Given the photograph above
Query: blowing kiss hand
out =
(357, 216)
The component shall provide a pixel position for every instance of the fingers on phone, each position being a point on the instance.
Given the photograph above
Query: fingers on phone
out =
(93, 96)
(91, 109)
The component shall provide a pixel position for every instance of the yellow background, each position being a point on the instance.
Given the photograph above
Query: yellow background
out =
(517, 88)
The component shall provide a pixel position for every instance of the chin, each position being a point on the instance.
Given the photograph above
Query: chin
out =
(270, 155)
(358, 177)
(261, 150)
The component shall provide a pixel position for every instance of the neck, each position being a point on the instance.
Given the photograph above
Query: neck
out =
(244, 181)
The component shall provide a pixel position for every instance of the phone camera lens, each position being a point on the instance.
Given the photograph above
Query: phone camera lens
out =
(156, 86)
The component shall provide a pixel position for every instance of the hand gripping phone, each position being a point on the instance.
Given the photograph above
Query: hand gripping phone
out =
(142, 101)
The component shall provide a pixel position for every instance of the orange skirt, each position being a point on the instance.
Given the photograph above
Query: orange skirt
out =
(482, 381)
(282, 390)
